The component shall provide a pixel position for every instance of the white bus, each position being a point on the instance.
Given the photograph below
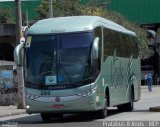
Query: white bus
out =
(79, 64)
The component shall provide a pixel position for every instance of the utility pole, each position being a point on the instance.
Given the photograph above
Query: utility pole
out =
(18, 21)
(27, 24)
(50, 9)
(20, 76)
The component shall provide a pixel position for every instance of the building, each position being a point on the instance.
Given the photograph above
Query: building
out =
(8, 31)
(144, 12)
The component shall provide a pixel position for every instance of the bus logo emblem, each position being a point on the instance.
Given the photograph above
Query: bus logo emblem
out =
(57, 99)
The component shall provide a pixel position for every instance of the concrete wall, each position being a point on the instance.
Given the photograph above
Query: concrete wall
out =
(8, 95)
(9, 99)
(7, 30)
(8, 34)
(4, 63)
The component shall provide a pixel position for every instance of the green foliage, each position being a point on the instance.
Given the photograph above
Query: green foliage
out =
(93, 10)
(67, 8)
(43, 9)
(73, 7)
(5, 16)
(60, 8)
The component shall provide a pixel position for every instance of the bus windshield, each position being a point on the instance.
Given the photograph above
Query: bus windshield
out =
(58, 59)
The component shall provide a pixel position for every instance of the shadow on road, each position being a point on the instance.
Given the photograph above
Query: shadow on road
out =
(68, 118)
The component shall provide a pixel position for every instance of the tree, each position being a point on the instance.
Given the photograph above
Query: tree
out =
(5, 16)
(60, 8)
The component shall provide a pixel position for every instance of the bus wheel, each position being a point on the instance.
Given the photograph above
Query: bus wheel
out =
(49, 116)
(46, 116)
(57, 116)
(128, 106)
(103, 112)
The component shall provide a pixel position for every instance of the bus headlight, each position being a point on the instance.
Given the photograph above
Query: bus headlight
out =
(87, 93)
(27, 106)
(31, 96)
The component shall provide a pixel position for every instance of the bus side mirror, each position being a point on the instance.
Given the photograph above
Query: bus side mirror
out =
(18, 55)
(95, 48)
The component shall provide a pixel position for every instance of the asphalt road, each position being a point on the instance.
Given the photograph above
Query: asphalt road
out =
(141, 113)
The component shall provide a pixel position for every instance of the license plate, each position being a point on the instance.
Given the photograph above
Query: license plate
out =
(58, 106)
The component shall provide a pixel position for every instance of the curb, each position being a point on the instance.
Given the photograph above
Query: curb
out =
(154, 109)
(12, 114)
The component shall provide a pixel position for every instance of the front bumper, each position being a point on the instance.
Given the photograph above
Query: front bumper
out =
(68, 104)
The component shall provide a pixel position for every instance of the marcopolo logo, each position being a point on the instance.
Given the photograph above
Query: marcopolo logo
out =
(57, 99)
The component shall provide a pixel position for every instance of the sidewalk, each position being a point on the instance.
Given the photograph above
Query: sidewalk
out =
(155, 108)
(152, 108)
(10, 110)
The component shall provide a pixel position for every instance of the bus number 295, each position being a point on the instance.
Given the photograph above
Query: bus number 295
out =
(45, 92)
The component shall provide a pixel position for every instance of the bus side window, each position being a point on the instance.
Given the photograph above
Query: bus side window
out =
(111, 43)
(136, 51)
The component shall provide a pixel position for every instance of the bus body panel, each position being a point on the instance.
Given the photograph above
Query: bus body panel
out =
(74, 24)
(118, 78)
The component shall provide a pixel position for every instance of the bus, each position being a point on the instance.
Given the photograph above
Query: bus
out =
(79, 64)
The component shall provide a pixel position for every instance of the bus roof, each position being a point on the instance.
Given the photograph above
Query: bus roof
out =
(74, 24)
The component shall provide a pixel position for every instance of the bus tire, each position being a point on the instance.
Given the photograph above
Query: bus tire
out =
(128, 106)
(49, 116)
(103, 112)
(46, 116)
